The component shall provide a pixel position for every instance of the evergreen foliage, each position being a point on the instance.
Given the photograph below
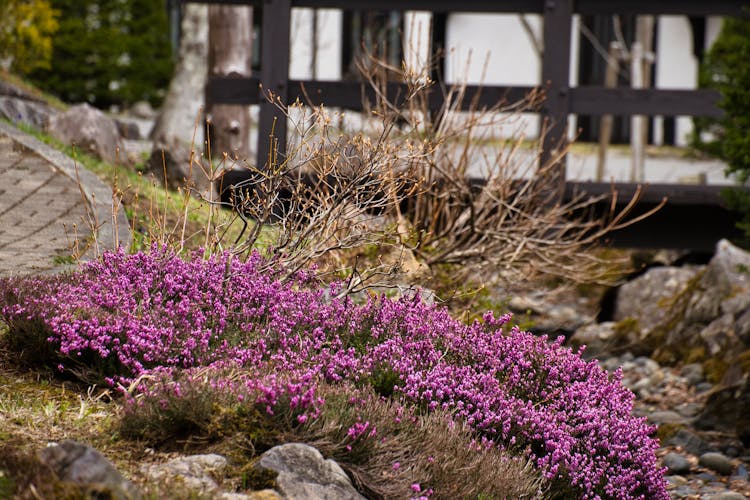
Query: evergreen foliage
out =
(109, 53)
(727, 69)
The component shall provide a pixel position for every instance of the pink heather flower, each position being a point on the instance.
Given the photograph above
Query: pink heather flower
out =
(416, 488)
(153, 313)
(396, 465)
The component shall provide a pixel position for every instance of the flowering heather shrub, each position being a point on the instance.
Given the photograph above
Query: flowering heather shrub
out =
(132, 314)
(385, 447)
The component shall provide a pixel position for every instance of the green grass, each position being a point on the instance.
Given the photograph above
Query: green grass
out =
(32, 90)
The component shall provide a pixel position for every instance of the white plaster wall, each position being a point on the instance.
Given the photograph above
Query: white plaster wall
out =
(328, 63)
(417, 50)
(491, 48)
(677, 67)
(713, 27)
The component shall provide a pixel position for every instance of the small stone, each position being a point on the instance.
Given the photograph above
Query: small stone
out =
(193, 471)
(717, 462)
(693, 373)
(264, 495)
(706, 477)
(704, 387)
(304, 473)
(688, 441)
(688, 410)
(740, 473)
(682, 492)
(666, 417)
(676, 463)
(725, 495)
(676, 481)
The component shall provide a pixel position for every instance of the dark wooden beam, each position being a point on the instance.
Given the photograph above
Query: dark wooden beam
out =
(626, 101)
(350, 95)
(676, 194)
(427, 5)
(673, 7)
(558, 17)
(275, 79)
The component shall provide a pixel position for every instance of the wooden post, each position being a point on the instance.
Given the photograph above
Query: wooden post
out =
(274, 78)
(605, 127)
(230, 53)
(637, 122)
(558, 17)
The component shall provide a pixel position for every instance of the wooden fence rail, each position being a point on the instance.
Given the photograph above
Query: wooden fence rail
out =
(561, 100)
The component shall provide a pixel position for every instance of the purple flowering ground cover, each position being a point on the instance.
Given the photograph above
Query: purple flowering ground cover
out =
(126, 316)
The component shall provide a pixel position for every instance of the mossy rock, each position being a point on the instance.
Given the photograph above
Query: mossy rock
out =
(714, 369)
(666, 431)
(257, 478)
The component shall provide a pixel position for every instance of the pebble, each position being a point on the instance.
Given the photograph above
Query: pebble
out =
(693, 373)
(674, 397)
(676, 463)
(689, 441)
(725, 495)
(666, 417)
(740, 474)
(717, 462)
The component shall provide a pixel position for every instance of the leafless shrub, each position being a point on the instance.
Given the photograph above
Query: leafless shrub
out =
(428, 188)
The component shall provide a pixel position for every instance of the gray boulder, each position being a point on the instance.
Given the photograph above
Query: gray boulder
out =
(89, 129)
(303, 474)
(647, 299)
(25, 111)
(84, 466)
(194, 472)
(599, 339)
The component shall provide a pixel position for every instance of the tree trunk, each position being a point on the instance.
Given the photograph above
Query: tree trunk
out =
(230, 54)
(181, 110)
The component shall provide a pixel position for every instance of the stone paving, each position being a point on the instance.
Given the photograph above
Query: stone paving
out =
(44, 208)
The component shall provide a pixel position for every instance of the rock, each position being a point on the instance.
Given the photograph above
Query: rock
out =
(721, 411)
(180, 166)
(717, 462)
(80, 464)
(599, 338)
(676, 481)
(128, 129)
(725, 495)
(676, 463)
(688, 441)
(688, 410)
(719, 335)
(742, 422)
(89, 129)
(740, 474)
(28, 112)
(142, 109)
(260, 495)
(647, 298)
(666, 417)
(693, 373)
(193, 472)
(305, 474)
(706, 477)
(551, 312)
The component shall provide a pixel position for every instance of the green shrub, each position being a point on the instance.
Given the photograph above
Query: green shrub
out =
(109, 53)
(727, 70)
